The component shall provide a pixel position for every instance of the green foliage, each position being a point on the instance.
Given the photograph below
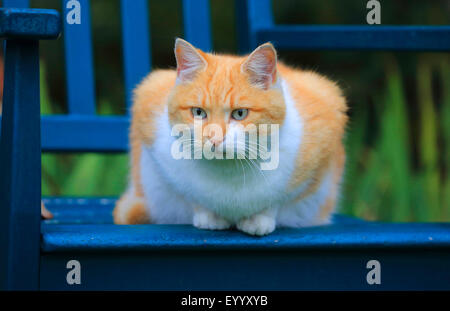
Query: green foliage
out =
(445, 130)
(86, 174)
(383, 181)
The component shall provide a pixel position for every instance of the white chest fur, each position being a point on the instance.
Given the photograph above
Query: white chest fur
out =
(232, 188)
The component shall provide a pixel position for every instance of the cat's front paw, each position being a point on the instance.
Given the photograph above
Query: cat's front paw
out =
(204, 219)
(259, 224)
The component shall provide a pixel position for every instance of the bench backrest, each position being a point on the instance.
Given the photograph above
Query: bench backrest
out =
(87, 130)
(256, 25)
(90, 132)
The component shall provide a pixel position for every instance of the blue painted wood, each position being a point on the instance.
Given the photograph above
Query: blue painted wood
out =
(256, 26)
(177, 257)
(85, 133)
(252, 15)
(79, 62)
(102, 237)
(20, 164)
(136, 44)
(29, 23)
(16, 3)
(197, 24)
(249, 269)
(397, 38)
(414, 256)
(80, 210)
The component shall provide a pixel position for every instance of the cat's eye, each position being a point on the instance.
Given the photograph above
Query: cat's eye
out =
(198, 113)
(239, 114)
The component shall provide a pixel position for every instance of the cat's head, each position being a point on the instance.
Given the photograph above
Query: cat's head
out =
(228, 92)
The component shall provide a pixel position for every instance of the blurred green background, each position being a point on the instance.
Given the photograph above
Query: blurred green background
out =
(398, 138)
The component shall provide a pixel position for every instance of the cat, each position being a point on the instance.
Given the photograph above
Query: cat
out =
(228, 91)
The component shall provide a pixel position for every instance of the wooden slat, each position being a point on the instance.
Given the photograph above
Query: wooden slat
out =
(79, 62)
(197, 24)
(20, 167)
(85, 133)
(256, 26)
(252, 15)
(400, 38)
(80, 210)
(389, 236)
(16, 3)
(98, 210)
(136, 43)
(23, 23)
(239, 269)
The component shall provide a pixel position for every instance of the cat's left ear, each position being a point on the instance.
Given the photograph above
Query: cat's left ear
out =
(189, 61)
(261, 66)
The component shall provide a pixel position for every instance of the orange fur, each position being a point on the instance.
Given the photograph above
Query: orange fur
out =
(224, 88)
(130, 209)
(149, 101)
(323, 108)
(137, 214)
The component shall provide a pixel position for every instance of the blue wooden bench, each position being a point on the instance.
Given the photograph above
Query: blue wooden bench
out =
(34, 253)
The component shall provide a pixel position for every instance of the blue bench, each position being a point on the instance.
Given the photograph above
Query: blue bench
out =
(34, 253)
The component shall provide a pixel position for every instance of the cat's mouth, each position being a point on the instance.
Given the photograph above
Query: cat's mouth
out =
(242, 147)
(217, 149)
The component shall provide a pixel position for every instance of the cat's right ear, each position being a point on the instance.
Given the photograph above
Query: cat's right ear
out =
(189, 61)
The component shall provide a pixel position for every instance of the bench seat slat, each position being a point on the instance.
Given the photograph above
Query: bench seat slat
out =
(101, 237)
(91, 220)
(92, 210)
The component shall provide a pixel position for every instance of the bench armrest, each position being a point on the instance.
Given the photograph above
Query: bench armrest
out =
(20, 145)
(33, 24)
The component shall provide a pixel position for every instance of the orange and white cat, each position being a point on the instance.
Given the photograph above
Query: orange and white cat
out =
(231, 92)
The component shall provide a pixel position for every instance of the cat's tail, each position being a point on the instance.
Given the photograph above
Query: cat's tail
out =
(131, 209)
(45, 213)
